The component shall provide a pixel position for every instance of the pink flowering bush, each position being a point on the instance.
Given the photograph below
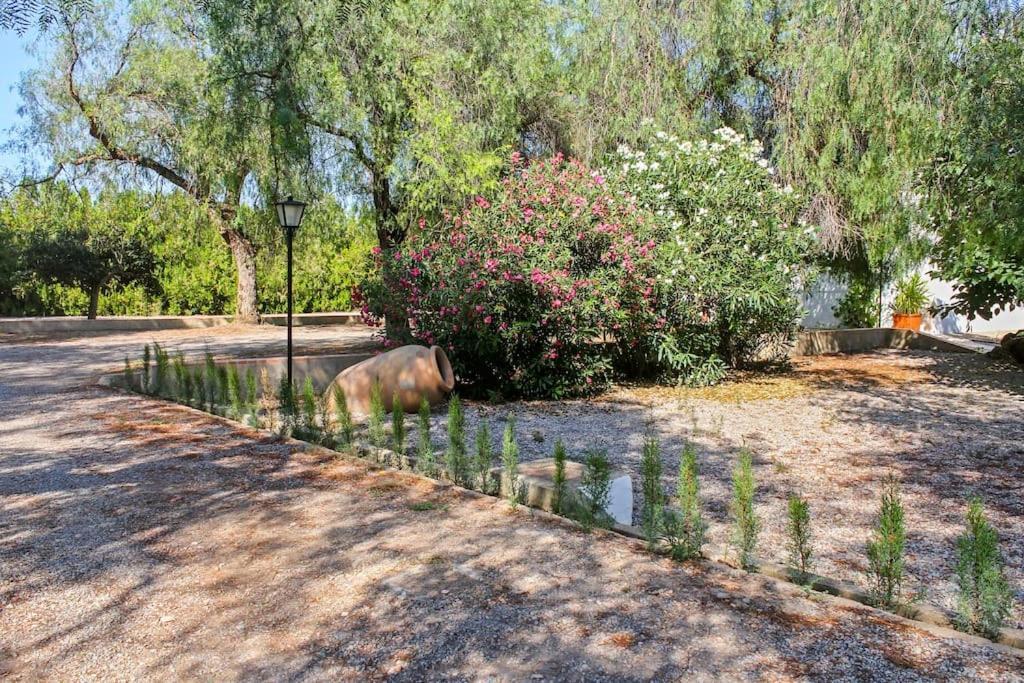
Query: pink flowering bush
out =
(543, 290)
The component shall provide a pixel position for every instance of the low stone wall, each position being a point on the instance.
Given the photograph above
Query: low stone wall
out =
(321, 369)
(820, 342)
(77, 324)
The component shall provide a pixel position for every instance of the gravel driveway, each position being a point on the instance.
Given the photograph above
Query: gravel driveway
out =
(141, 540)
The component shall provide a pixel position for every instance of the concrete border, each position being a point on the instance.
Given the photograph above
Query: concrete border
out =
(820, 342)
(78, 324)
(322, 369)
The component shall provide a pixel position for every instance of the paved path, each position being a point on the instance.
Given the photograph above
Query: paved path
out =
(139, 539)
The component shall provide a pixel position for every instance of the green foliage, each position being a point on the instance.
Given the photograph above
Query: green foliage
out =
(223, 398)
(559, 493)
(798, 530)
(517, 287)
(197, 396)
(596, 486)
(684, 531)
(746, 524)
(161, 371)
(887, 546)
(210, 381)
(251, 389)
(976, 202)
(455, 459)
(911, 295)
(650, 487)
(190, 272)
(859, 305)
(309, 407)
(378, 435)
(425, 462)
(69, 238)
(287, 402)
(730, 249)
(184, 381)
(397, 425)
(235, 395)
(484, 457)
(344, 427)
(985, 598)
(510, 463)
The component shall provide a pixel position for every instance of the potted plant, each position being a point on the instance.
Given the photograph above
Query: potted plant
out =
(909, 303)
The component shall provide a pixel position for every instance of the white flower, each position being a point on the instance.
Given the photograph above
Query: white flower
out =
(788, 189)
(753, 223)
(763, 163)
(658, 186)
(660, 135)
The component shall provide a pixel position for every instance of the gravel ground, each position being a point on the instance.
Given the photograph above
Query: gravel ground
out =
(139, 539)
(948, 425)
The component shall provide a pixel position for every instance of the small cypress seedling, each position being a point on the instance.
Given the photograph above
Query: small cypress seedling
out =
(269, 402)
(161, 370)
(223, 397)
(985, 598)
(182, 390)
(287, 403)
(342, 417)
(455, 456)
(397, 426)
(251, 391)
(484, 455)
(234, 391)
(558, 495)
(210, 381)
(685, 531)
(650, 484)
(198, 392)
(596, 485)
(799, 531)
(510, 462)
(746, 525)
(308, 405)
(378, 437)
(424, 450)
(887, 547)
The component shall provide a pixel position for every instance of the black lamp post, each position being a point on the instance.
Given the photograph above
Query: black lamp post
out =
(289, 215)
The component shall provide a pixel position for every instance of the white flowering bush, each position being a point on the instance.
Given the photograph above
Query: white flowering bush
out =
(731, 250)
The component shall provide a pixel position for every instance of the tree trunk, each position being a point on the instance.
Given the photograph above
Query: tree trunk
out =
(390, 236)
(94, 300)
(244, 254)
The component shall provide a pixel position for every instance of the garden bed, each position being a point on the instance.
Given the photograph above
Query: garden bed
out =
(949, 425)
(830, 430)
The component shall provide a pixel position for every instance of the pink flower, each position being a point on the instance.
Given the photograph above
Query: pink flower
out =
(487, 319)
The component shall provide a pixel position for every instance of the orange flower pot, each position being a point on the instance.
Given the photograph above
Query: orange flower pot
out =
(410, 372)
(907, 321)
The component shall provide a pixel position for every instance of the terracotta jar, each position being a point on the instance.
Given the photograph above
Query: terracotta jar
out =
(411, 371)
(907, 321)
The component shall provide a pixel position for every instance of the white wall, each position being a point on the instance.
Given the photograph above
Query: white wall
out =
(827, 292)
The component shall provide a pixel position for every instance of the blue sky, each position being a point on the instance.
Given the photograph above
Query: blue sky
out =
(14, 59)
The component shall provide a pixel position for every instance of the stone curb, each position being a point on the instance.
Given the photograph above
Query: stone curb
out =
(77, 324)
(925, 616)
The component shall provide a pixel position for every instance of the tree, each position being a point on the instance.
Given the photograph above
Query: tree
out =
(20, 15)
(978, 183)
(76, 241)
(132, 92)
(409, 105)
